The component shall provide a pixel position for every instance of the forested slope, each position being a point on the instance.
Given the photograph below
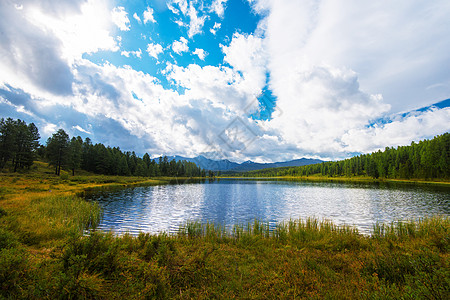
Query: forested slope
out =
(428, 159)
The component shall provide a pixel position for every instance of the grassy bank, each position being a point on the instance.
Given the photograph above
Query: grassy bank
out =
(44, 254)
(344, 179)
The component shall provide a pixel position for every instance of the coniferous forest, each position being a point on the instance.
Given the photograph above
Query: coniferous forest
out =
(19, 145)
(428, 159)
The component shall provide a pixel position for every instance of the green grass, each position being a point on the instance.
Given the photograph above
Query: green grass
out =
(45, 253)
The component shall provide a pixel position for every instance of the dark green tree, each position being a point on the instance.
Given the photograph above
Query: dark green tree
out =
(57, 150)
(7, 140)
(75, 153)
(27, 143)
(18, 142)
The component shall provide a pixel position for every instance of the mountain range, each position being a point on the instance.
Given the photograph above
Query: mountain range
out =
(225, 165)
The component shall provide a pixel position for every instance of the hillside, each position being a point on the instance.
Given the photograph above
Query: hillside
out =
(428, 159)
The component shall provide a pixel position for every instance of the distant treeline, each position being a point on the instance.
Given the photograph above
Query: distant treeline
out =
(19, 144)
(424, 160)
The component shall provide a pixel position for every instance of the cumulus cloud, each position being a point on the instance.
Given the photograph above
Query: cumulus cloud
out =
(148, 15)
(41, 41)
(120, 18)
(246, 53)
(200, 53)
(326, 76)
(180, 46)
(396, 52)
(154, 50)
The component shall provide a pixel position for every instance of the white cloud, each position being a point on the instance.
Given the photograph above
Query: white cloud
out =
(247, 55)
(218, 6)
(179, 23)
(49, 129)
(180, 46)
(154, 50)
(396, 52)
(401, 131)
(39, 45)
(172, 9)
(148, 15)
(136, 17)
(182, 5)
(196, 23)
(137, 53)
(215, 28)
(326, 76)
(120, 18)
(223, 86)
(79, 128)
(200, 53)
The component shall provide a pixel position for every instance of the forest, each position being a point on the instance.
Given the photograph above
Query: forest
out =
(19, 146)
(428, 159)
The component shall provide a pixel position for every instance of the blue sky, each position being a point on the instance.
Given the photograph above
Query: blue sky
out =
(261, 80)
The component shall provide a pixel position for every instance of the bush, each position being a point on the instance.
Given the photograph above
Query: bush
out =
(96, 253)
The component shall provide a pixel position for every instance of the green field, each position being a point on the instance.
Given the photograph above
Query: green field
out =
(45, 252)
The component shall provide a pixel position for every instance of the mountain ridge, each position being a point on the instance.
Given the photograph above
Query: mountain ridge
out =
(230, 166)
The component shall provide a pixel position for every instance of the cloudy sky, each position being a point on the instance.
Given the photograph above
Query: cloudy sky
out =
(265, 80)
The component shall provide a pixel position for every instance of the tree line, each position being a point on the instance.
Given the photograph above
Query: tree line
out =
(19, 143)
(428, 159)
(75, 153)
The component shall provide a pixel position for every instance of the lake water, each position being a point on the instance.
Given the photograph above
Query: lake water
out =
(164, 208)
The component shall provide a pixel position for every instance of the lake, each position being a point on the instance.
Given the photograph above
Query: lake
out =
(164, 208)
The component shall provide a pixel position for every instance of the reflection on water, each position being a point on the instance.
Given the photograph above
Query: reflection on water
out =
(164, 208)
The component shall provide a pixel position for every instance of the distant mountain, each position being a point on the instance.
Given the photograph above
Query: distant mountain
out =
(226, 165)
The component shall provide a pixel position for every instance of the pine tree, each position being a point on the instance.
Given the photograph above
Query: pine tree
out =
(57, 150)
(75, 153)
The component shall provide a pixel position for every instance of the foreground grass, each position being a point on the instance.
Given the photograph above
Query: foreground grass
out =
(44, 253)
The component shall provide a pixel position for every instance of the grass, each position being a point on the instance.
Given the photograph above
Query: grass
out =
(345, 179)
(45, 252)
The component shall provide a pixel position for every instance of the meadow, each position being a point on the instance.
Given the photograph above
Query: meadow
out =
(49, 249)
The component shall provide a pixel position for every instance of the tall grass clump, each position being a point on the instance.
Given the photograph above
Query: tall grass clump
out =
(55, 217)
(208, 231)
(315, 232)
(435, 228)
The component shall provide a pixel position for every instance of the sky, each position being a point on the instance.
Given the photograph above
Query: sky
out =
(260, 80)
